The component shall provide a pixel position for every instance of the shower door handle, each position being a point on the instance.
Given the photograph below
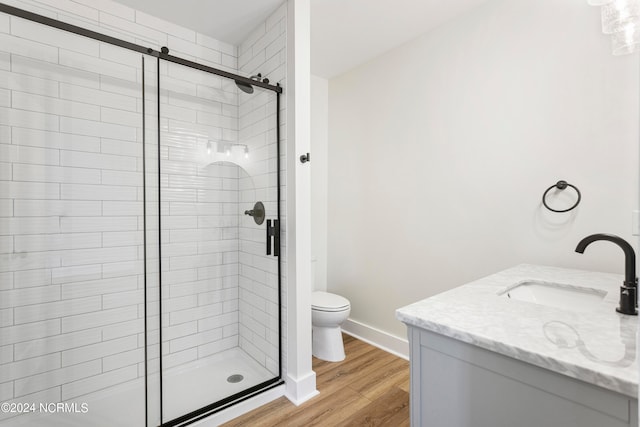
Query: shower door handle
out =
(276, 238)
(273, 231)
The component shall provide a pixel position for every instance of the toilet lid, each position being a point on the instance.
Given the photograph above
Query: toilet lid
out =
(325, 301)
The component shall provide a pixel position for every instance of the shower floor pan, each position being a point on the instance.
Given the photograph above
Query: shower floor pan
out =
(186, 388)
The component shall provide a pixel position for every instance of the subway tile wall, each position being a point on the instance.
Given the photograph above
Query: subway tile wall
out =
(264, 51)
(199, 198)
(66, 260)
(71, 212)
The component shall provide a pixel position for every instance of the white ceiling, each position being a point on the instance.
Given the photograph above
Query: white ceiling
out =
(347, 33)
(344, 33)
(229, 21)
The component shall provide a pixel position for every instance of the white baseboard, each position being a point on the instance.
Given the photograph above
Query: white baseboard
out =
(376, 337)
(299, 390)
(241, 408)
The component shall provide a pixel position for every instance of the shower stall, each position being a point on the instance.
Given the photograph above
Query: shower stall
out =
(139, 230)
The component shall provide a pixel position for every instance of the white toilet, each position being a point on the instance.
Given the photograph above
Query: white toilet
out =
(328, 312)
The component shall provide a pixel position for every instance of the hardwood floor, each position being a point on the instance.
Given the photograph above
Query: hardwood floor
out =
(369, 388)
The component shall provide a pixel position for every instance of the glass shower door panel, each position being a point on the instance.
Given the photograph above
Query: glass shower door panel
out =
(219, 288)
(71, 236)
(258, 282)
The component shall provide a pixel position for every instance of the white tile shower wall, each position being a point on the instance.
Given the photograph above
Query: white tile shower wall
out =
(199, 205)
(71, 200)
(54, 182)
(264, 51)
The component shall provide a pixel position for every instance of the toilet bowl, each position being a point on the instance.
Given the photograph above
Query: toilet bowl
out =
(328, 312)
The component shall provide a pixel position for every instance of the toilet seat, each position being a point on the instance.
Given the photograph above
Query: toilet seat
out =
(325, 301)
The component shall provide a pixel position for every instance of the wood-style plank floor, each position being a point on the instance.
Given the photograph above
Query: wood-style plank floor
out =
(369, 388)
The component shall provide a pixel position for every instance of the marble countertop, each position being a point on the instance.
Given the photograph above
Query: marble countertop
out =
(598, 346)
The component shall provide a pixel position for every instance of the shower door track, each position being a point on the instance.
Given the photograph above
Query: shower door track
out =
(221, 405)
(163, 54)
(45, 20)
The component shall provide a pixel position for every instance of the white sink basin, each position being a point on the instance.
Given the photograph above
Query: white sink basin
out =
(568, 297)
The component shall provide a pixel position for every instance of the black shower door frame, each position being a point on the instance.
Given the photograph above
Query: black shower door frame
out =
(220, 405)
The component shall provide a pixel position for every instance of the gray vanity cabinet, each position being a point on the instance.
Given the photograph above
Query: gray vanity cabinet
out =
(455, 384)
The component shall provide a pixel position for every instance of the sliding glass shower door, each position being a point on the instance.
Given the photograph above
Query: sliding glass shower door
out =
(72, 267)
(139, 235)
(219, 240)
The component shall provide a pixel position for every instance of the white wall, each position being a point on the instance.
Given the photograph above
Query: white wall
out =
(441, 149)
(319, 180)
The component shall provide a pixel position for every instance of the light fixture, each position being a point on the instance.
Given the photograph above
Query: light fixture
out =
(626, 41)
(220, 149)
(618, 14)
(621, 19)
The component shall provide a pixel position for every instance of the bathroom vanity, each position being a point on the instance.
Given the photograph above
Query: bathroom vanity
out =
(531, 346)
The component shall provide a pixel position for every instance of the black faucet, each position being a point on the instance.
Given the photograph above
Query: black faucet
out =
(629, 288)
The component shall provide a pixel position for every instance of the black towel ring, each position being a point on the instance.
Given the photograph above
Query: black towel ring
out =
(561, 185)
